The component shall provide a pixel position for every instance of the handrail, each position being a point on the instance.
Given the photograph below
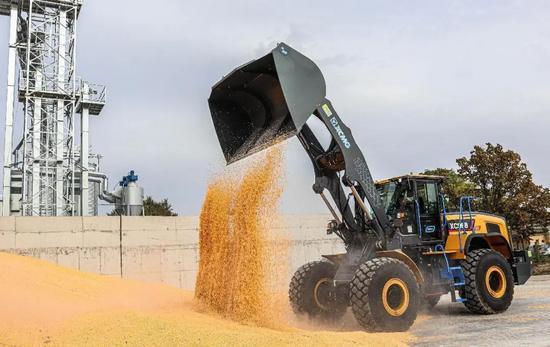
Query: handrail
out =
(461, 227)
(442, 197)
(442, 249)
(95, 93)
(470, 212)
(418, 218)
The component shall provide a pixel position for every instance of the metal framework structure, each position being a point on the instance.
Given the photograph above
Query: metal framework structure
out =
(43, 38)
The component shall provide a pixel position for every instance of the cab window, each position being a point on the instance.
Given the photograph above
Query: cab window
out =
(387, 192)
(427, 198)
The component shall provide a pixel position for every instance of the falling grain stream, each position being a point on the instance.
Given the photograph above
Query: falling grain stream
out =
(242, 258)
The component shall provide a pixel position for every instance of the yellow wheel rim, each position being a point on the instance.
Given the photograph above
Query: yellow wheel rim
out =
(395, 297)
(316, 291)
(495, 282)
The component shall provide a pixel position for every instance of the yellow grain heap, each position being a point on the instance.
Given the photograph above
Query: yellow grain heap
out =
(42, 304)
(238, 271)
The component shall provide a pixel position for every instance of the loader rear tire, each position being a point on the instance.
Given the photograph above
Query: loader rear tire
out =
(489, 284)
(311, 292)
(384, 295)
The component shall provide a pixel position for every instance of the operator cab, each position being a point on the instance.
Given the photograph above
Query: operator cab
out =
(413, 204)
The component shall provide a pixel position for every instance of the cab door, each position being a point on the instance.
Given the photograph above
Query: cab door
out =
(427, 209)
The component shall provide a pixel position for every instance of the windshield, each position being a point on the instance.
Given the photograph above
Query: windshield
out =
(387, 195)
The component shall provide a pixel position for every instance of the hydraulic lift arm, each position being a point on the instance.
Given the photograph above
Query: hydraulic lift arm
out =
(269, 100)
(344, 150)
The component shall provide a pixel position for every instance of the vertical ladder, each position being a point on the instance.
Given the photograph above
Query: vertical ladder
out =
(454, 274)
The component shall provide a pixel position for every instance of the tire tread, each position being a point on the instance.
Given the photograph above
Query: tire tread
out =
(359, 291)
(299, 299)
(474, 301)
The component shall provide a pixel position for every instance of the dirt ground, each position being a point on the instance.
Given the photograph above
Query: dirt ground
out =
(526, 323)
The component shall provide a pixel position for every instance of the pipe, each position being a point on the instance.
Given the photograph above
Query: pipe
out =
(84, 153)
(104, 193)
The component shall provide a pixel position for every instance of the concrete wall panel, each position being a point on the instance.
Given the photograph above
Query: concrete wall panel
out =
(101, 231)
(151, 259)
(49, 239)
(34, 232)
(187, 230)
(7, 232)
(149, 231)
(69, 257)
(7, 224)
(190, 258)
(7, 239)
(171, 278)
(155, 249)
(131, 260)
(171, 259)
(109, 263)
(90, 259)
(49, 254)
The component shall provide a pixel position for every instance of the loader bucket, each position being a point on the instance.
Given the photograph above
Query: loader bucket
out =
(265, 101)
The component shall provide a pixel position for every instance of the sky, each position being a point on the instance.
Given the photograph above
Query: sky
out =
(418, 82)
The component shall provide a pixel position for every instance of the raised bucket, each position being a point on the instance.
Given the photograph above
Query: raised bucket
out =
(265, 101)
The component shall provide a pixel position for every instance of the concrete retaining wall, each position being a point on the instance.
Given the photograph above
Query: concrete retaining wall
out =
(159, 249)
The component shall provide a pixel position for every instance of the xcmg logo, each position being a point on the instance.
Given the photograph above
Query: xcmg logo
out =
(456, 225)
(340, 132)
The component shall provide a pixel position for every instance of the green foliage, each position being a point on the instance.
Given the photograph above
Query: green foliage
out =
(454, 187)
(503, 185)
(153, 208)
(157, 208)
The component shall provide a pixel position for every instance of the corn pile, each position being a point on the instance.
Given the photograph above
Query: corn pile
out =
(42, 304)
(238, 271)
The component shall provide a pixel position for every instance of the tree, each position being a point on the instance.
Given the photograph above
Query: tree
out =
(455, 186)
(153, 208)
(157, 208)
(505, 186)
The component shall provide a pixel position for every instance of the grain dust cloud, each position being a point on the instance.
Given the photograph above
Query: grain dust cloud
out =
(243, 258)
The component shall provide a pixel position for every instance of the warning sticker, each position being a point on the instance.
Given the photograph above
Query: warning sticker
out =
(327, 110)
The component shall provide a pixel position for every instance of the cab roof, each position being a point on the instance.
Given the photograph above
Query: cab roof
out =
(411, 176)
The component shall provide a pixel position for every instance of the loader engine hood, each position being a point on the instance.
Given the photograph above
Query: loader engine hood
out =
(265, 101)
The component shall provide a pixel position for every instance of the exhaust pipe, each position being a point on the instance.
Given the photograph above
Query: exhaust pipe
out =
(265, 101)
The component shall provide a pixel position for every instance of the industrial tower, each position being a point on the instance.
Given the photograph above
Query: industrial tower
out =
(46, 173)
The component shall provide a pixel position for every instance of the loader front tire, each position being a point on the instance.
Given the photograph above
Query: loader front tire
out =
(489, 284)
(311, 292)
(384, 295)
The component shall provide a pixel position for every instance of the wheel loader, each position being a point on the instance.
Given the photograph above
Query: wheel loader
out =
(404, 250)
